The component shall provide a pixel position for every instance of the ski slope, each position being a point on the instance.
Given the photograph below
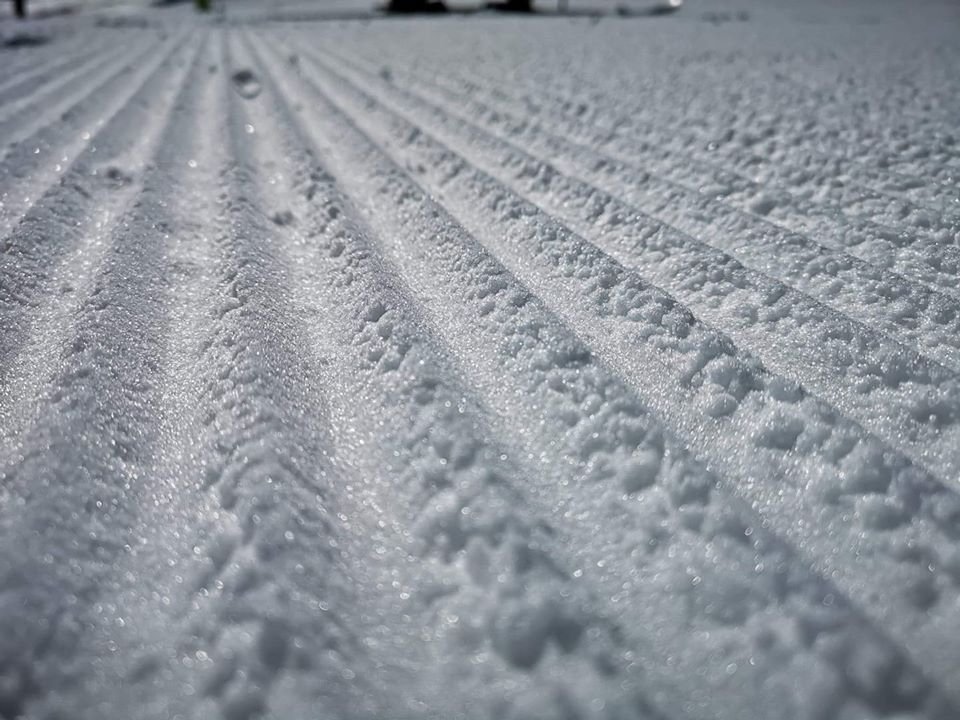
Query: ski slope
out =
(482, 368)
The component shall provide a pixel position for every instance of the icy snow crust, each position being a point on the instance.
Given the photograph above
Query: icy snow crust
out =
(442, 368)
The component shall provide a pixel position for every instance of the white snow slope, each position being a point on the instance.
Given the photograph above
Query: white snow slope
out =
(482, 368)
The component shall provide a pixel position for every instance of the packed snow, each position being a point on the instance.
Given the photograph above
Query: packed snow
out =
(592, 366)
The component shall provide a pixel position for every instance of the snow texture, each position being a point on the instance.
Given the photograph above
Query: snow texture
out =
(549, 368)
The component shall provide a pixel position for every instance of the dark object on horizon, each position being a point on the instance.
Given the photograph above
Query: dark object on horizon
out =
(545, 8)
(20, 8)
(416, 6)
(522, 6)
(202, 5)
(20, 40)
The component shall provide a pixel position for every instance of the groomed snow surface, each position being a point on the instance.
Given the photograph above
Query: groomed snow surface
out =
(482, 368)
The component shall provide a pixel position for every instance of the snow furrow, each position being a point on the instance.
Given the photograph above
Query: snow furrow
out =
(32, 168)
(850, 479)
(22, 61)
(21, 82)
(612, 457)
(82, 472)
(480, 366)
(404, 420)
(894, 182)
(918, 316)
(762, 146)
(828, 353)
(52, 102)
(18, 115)
(43, 282)
(243, 594)
(926, 258)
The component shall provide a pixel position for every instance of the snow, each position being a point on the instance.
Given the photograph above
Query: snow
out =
(470, 367)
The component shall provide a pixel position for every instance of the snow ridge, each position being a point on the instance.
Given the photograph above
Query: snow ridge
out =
(347, 375)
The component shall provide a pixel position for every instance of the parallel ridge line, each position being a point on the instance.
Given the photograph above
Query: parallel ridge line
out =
(541, 86)
(783, 426)
(926, 259)
(21, 80)
(835, 91)
(22, 58)
(877, 172)
(813, 268)
(539, 83)
(19, 117)
(26, 176)
(40, 281)
(698, 273)
(83, 459)
(748, 240)
(268, 606)
(498, 302)
(454, 487)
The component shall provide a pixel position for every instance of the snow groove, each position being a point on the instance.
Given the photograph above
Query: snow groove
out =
(912, 166)
(923, 397)
(16, 113)
(31, 166)
(526, 350)
(919, 316)
(42, 283)
(23, 81)
(104, 415)
(609, 307)
(922, 256)
(457, 490)
(264, 605)
(480, 368)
